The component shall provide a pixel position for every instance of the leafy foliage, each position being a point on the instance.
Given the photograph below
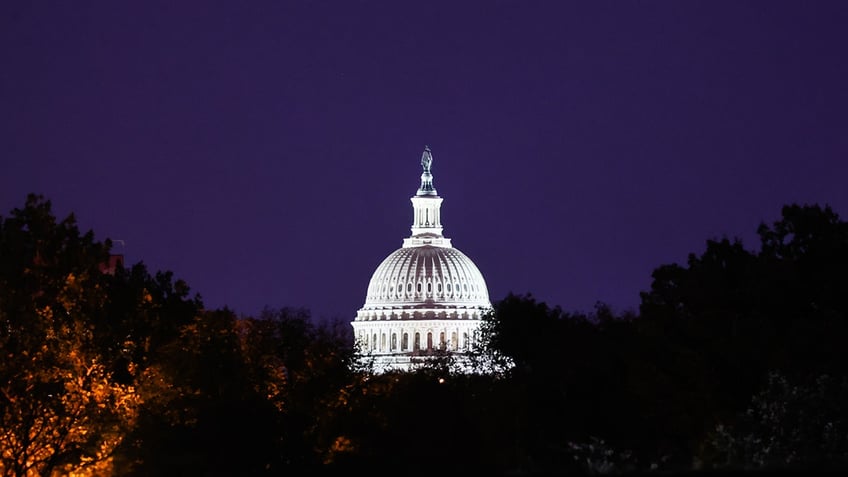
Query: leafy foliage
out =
(735, 361)
(786, 426)
(61, 410)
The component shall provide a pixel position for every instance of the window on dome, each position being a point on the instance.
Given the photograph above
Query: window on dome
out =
(409, 287)
(439, 287)
(418, 288)
(429, 288)
(465, 288)
(449, 287)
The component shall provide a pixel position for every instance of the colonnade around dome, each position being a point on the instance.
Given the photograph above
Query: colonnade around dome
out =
(417, 338)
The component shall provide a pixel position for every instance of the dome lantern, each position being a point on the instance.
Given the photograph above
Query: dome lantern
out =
(426, 205)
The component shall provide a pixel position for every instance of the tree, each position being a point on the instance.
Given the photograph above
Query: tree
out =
(82, 348)
(805, 290)
(786, 425)
(730, 317)
(781, 308)
(203, 413)
(305, 370)
(61, 411)
(571, 381)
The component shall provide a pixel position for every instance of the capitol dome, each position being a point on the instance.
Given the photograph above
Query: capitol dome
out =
(426, 278)
(425, 298)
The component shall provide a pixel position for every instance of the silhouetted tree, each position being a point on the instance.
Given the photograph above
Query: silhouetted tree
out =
(61, 408)
(786, 425)
(731, 317)
(309, 369)
(569, 381)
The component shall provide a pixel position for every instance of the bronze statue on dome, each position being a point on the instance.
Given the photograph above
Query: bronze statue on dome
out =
(426, 159)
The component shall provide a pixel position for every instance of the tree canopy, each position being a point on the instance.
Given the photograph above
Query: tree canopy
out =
(735, 360)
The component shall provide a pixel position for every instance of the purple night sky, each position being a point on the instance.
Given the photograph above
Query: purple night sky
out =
(266, 151)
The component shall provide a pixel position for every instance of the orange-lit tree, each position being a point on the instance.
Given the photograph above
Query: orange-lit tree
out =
(61, 410)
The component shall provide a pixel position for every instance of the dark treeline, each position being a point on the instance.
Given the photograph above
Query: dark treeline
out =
(734, 361)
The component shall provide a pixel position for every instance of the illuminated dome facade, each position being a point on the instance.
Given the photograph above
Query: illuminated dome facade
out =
(426, 297)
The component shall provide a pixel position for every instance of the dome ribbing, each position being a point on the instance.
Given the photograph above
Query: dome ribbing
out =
(426, 277)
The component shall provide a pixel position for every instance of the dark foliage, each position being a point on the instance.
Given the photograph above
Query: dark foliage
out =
(733, 317)
(735, 362)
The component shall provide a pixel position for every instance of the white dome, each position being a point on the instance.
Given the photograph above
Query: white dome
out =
(425, 297)
(426, 277)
